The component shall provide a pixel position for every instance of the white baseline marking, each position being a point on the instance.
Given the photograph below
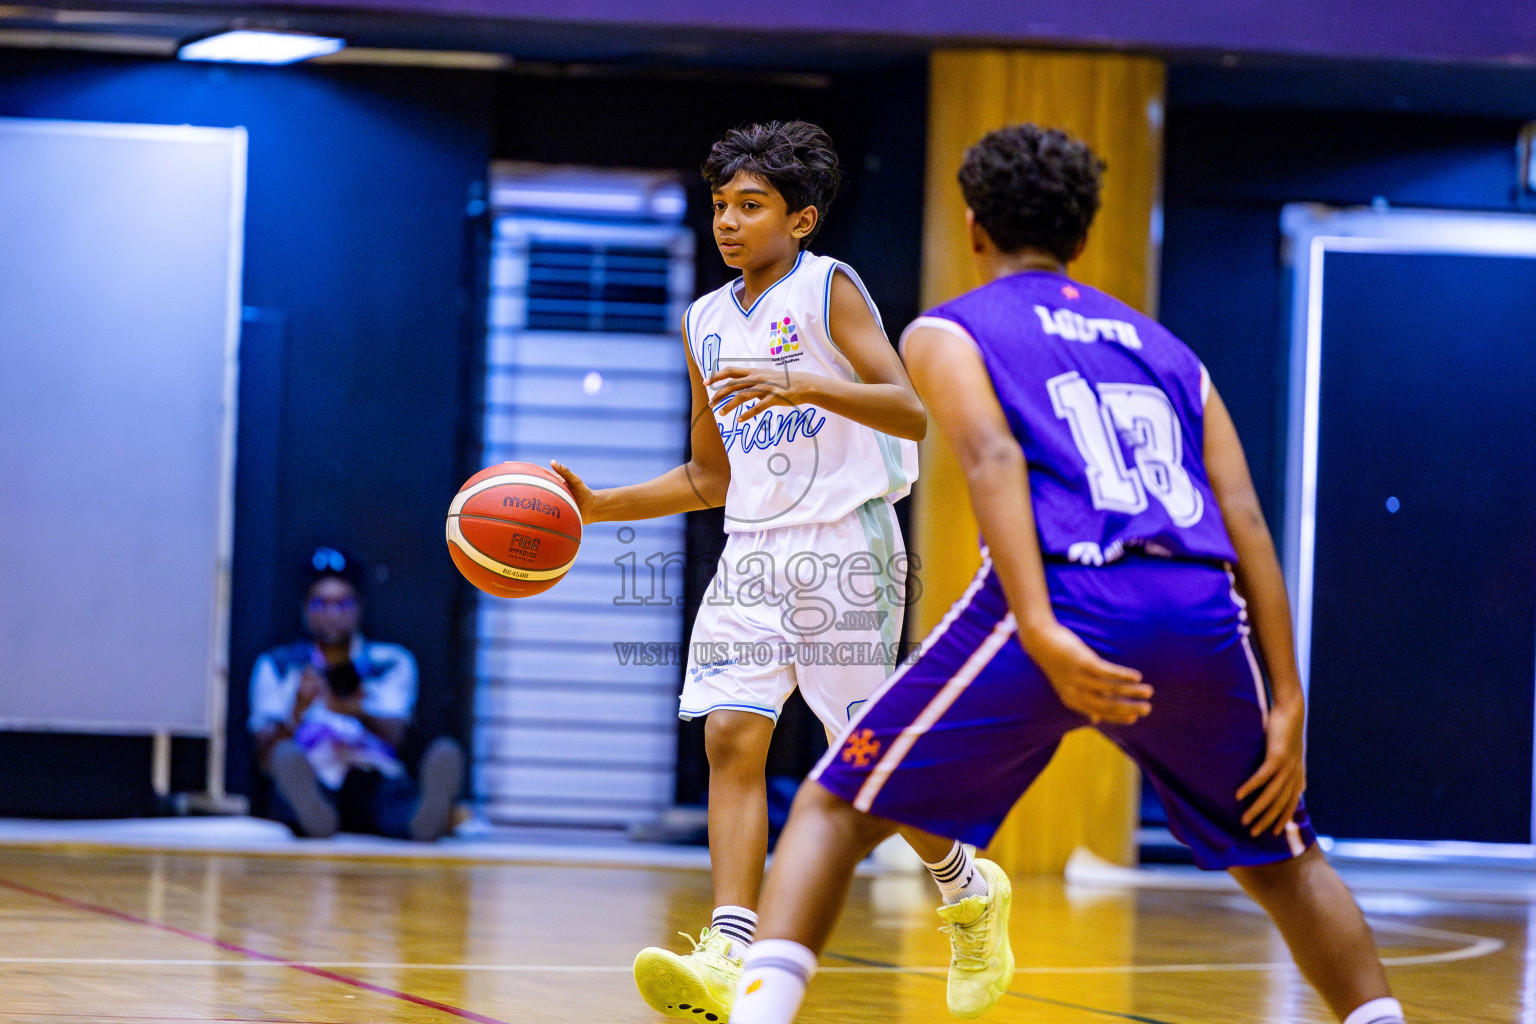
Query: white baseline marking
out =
(1479, 946)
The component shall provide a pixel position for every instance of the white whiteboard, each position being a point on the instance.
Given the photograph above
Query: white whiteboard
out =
(120, 263)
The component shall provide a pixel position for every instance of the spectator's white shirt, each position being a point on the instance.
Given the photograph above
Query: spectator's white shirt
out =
(387, 671)
(336, 743)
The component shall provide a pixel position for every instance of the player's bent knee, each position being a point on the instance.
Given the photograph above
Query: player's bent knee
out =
(1264, 882)
(866, 829)
(283, 752)
(814, 798)
(737, 741)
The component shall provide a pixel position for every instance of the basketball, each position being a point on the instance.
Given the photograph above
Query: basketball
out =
(513, 529)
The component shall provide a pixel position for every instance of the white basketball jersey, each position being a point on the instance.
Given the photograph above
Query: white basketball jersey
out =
(793, 465)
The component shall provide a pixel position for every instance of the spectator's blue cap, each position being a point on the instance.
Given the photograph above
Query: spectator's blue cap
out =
(327, 561)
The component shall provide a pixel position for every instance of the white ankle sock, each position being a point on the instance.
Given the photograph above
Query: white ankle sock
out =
(773, 980)
(1385, 1010)
(737, 924)
(957, 876)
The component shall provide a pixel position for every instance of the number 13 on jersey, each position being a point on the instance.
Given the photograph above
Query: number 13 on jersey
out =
(1145, 418)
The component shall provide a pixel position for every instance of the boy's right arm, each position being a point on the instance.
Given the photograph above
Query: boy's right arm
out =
(953, 382)
(699, 483)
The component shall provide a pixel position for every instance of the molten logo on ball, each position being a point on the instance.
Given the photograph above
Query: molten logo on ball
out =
(532, 503)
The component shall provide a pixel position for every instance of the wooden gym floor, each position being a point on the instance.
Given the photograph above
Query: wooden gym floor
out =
(142, 938)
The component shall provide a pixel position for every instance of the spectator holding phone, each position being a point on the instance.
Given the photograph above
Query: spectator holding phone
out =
(329, 714)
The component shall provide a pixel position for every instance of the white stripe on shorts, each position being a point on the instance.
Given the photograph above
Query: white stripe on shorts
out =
(951, 692)
(1243, 631)
(1293, 839)
(1292, 830)
(1258, 680)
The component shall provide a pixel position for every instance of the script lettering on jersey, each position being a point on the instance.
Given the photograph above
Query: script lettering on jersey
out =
(770, 429)
(532, 504)
(1064, 323)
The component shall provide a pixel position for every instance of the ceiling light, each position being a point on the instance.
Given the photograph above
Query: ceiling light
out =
(245, 46)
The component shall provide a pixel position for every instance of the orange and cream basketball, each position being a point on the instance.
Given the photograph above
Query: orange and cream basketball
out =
(513, 529)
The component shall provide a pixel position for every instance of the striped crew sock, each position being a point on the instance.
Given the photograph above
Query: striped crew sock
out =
(957, 876)
(1385, 1010)
(773, 980)
(737, 924)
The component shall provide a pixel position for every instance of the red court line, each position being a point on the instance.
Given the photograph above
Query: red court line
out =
(254, 954)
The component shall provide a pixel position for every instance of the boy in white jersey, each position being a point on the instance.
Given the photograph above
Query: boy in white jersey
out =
(804, 428)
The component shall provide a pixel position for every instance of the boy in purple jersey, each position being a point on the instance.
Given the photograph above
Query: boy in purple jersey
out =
(1126, 558)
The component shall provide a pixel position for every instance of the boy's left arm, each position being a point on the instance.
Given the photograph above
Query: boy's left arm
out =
(1277, 785)
(882, 397)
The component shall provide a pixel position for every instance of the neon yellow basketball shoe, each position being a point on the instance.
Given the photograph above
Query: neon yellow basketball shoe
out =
(700, 986)
(981, 959)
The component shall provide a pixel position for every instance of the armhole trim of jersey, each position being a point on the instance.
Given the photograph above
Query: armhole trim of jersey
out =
(826, 312)
(688, 333)
(1205, 386)
(941, 323)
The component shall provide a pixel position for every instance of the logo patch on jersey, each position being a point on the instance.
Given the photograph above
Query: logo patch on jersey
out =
(861, 748)
(784, 340)
(1071, 292)
(1064, 323)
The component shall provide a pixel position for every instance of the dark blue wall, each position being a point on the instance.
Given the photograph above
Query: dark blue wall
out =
(781, 34)
(354, 370)
(1230, 169)
(1240, 145)
(876, 118)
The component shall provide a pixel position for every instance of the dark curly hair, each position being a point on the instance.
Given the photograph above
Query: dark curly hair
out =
(795, 157)
(1033, 187)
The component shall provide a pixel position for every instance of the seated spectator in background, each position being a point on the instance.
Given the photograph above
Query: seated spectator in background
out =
(329, 714)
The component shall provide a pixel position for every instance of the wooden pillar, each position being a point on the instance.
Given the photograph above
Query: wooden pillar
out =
(1089, 794)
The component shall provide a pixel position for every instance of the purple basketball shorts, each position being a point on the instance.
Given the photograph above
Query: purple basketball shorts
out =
(955, 737)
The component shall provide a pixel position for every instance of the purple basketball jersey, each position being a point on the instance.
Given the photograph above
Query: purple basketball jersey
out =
(1109, 408)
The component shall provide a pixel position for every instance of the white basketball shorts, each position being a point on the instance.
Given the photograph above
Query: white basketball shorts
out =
(818, 606)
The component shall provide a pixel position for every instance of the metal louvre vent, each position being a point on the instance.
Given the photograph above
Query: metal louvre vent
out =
(575, 286)
(590, 275)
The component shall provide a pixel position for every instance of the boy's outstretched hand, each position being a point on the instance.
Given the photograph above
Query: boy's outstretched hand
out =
(1282, 777)
(1099, 690)
(586, 501)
